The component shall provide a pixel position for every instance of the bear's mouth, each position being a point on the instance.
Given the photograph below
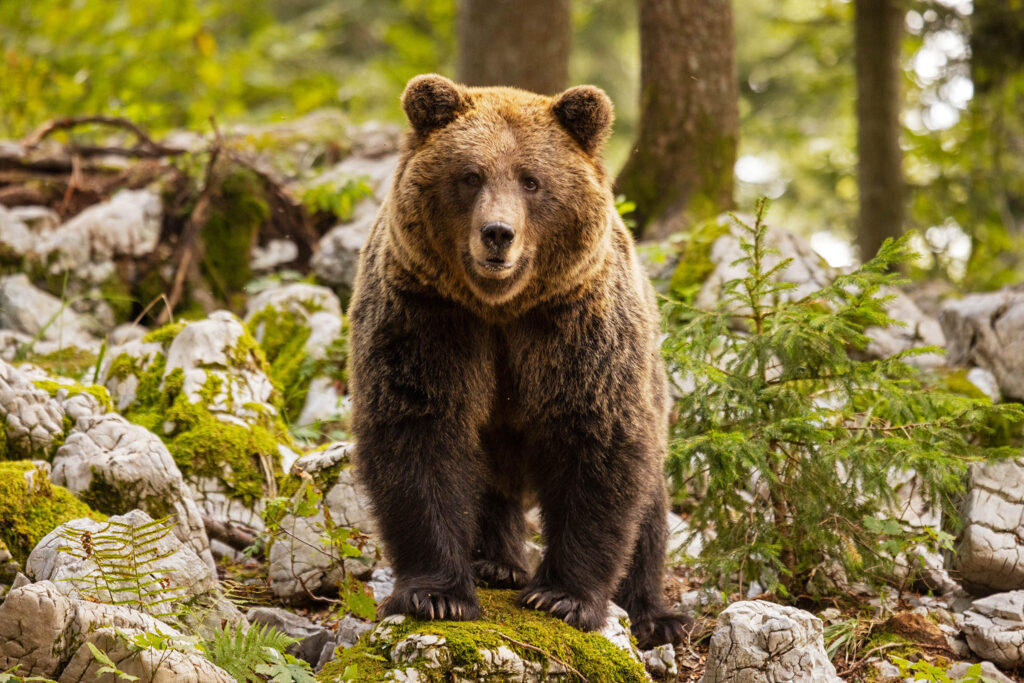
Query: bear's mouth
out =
(495, 266)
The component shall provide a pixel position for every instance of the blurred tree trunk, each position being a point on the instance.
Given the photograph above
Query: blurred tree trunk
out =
(997, 72)
(524, 43)
(681, 167)
(878, 26)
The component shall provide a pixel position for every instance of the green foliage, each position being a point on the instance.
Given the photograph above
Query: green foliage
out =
(796, 441)
(926, 672)
(336, 542)
(238, 209)
(31, 506)
(241, 652)
(338, 197)
(108, 666)
(124, 572)
(284, 668)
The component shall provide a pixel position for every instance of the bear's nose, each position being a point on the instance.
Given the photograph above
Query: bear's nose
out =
(497, 236)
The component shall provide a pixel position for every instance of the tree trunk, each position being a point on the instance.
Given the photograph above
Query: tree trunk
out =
(523, 43)
(681, 168)
(878, 25)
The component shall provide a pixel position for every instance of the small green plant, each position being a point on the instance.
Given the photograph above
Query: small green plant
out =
(625, 208)
(338, 197)
(241, 652)
(125, 572)
(925, 672)
(794, 439)
(107, 665)
(336, 542)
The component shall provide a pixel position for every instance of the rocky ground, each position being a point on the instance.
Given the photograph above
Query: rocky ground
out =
(228, 417)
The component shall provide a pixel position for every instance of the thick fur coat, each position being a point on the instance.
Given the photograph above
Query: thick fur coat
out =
(504, 347)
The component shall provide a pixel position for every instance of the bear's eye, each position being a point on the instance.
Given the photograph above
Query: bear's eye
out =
(530, 184)
(472, 179)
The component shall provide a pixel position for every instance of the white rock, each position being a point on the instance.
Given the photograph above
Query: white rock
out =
(26, 308)
(986, 383)
(757, 641)
(123, 389)
(987, 330)
(990, 555)
(994, 627)
(324, 402)
(660, 662)
(299, 297)
(682, 540)
(276, 253)
(133, 466)
(33, 420)
(128, 224)
(153, 665)
(297, 557)
(959, 671)
(186, 575)
(337, 258)
(128, 332)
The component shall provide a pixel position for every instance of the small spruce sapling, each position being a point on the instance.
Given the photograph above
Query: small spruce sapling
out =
(796, 440)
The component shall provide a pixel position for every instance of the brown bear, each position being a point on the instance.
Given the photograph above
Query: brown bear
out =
(504, 345)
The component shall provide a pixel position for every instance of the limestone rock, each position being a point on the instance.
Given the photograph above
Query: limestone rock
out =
(28, 309)
(44, 632)
(757, 641)
(990, 555)
(297, 557)
(128, 224)
(118, 466)
(492, 648)
(337, 258)
(994, 627)
(185, 575)
(987, 330)
(312, 637)
(661, 662)
(33, 421)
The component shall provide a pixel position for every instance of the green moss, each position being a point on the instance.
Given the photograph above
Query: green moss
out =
(165, 334)
(99, 393)
(956, 382)
(69, 361)
(236, 213)
(118, 296)
(31, 514)
(503, 624)
(5, 447)
(201, 444)
(695, 258)
(284, 339)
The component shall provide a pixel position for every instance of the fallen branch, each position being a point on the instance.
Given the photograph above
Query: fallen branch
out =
(146, 147)
(233, 534)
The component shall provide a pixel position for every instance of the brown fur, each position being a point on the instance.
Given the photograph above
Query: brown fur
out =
(481, 374)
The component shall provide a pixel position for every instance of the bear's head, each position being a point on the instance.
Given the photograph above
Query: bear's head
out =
(501, 194)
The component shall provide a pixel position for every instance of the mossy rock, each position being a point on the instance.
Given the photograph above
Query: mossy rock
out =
(31, 507)
(695, 264)
(209, 433)
(69, 361)
(507, 638)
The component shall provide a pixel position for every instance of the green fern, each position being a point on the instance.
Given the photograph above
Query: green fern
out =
(241, 652)
(125, 569)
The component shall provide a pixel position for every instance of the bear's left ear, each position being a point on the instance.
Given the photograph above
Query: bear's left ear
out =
(586, 112)
(431, 102)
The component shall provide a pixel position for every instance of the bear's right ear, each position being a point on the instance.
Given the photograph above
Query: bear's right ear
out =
(432, 102)
(587, 113)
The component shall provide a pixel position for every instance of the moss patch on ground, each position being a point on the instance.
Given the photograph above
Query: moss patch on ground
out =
(99, 393)
(503, 624)
(70, 361)
(29, 514)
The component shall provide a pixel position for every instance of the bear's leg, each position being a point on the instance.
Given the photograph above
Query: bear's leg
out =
(641, 592)
(591, 513)
(499, 560)
(426, 507)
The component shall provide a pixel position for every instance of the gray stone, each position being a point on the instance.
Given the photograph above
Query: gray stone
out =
(187, 576)
(33, 420)
(990, 555)
(986, 383)
(988, 670)
(135, 470)
(757, 641)
(337, 258)
(987, 330)
(660, 662)
(994, 627)
(312, 637)
(28, 309)
(683, 542)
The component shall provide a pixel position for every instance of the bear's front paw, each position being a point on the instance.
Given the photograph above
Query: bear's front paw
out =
(430, 603)
(499, 574)
(660, 629)
(584, 614)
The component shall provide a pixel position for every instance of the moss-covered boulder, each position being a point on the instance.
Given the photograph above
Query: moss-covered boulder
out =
(204, 388)
(37, 410)
(31, 506)
(509, 643)
(302, 332)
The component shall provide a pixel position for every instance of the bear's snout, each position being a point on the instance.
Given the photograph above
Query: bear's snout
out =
(497, 236)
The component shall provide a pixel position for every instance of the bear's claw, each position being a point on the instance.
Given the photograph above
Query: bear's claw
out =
(586, 615)
(494, 574)
(431, 604)
(660, 629)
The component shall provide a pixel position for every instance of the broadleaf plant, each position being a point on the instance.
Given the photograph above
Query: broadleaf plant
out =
(794, 439)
